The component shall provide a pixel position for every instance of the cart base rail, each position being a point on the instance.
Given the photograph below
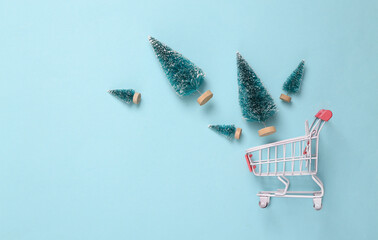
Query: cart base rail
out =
(291, 194)
(317, 196)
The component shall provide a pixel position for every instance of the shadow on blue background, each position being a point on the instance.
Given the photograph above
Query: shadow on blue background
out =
(78, 164)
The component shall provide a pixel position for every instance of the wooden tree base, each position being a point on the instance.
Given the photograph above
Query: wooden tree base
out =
(286, 98)
(238, 132)
(205, 97)
(136, 98)
(266, 131)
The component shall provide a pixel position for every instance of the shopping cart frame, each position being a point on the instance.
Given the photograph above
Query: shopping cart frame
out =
(301, 164)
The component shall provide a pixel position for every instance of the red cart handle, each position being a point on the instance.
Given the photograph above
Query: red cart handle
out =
(324, 115)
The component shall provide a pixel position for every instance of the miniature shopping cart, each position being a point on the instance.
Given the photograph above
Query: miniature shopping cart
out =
(291, 157)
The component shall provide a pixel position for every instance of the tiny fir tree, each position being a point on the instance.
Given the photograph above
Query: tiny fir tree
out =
(229, 131)
(126, 95)
(293, 83)
(183, 75)
(255, 101)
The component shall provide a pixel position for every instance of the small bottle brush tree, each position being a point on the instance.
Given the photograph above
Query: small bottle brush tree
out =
(126, 95)
(183, 75)
(229, 131)
(293, 83)
(254, 99)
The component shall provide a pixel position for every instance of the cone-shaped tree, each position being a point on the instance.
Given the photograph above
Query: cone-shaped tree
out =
(126, 95)
(293, 83)
(255, 101)
(229, 131)
(183, 75)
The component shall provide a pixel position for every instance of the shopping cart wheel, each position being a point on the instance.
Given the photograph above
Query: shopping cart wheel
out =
(264, 202)
(317, 203)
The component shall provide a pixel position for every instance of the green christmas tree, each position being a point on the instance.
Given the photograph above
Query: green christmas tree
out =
(126, 95)
(229, 131)
(293, 83)
(255, 101)
(183, 75)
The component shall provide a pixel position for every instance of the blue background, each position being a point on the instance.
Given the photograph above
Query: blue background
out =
(76, 163)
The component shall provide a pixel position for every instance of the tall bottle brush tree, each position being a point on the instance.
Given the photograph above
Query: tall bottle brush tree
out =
(183, 75)
(293, 83)
(126, 95)
(255, 101)
(229, 131)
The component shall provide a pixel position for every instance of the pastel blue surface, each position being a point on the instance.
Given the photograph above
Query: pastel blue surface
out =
(76, 163)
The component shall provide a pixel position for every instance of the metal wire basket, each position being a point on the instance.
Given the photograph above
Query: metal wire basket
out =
(292, 157)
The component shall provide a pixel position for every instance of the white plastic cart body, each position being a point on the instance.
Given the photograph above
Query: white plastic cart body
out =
(291, 157)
